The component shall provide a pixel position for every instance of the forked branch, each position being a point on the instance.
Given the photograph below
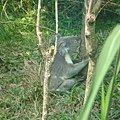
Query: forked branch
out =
(47, 57)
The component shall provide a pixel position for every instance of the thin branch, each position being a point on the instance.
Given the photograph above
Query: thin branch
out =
(22, 9)
(56, 18)
(96, 7)
(112, 11)
(4, 9)
(39, 33)
(86, 5)
(115, 4)
(102, 8)
(7, 22)
(89, 8)
(56, 15)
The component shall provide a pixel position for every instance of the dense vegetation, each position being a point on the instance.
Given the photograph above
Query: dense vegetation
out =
(21, 61)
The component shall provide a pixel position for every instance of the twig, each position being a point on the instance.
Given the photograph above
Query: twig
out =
(111, 11)
(56, 18)
(89, 8)
(4, 9)
(102, 8)
(39, 34)
(7, 22)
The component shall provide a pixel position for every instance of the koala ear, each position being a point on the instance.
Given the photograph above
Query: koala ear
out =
(53, 38)
(63, 48)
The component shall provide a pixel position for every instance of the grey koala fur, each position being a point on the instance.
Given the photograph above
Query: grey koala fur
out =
(63, 70)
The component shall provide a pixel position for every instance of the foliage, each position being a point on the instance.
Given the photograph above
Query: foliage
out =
(108, 52)
(106, 102)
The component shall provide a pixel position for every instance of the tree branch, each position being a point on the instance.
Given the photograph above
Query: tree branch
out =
(48, 58)
(102, 8)
(7, 22)
(96, 7)
(89, 7)
(56, 18)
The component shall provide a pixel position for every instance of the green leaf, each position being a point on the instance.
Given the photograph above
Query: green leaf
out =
(108, 52)
(111, 87)
(103, 103)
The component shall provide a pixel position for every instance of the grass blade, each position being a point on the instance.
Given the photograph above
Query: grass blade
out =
(103, 103)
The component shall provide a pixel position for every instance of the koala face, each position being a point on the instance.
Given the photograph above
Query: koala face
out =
(68, 44)
(72, 43)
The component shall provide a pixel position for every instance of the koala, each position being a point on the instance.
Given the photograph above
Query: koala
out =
(53, 38)
(63, 70)
(64, 44)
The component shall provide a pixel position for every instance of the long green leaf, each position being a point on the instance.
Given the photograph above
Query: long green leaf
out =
(110, 88)
(108, 52)
(103, 103)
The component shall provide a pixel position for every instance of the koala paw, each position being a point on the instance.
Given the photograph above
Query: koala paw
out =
(85, 61)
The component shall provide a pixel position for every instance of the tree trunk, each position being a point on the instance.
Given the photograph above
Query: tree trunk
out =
(91, 10)
(82, 46)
